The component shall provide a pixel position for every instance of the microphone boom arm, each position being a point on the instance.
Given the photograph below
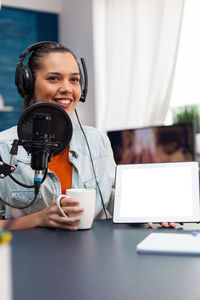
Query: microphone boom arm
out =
(5, 169)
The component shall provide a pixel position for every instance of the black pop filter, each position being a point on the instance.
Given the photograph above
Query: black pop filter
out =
(60, 128)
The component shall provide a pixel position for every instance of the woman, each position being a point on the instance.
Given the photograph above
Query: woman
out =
(56, 79)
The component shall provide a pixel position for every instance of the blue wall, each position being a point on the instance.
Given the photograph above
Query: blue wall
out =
(18, 29)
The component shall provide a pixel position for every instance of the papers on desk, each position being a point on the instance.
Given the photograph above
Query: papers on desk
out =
(170, 243)
(5, 272)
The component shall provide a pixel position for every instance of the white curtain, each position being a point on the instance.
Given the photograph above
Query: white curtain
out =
(135, 49)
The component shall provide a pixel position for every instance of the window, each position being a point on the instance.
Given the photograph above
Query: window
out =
(186, 86)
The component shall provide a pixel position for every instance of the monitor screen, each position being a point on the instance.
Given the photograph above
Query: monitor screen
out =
(173, 143)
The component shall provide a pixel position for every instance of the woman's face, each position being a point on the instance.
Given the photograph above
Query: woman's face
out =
(58, 81)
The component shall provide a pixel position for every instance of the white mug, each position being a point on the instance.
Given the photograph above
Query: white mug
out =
(87, 201)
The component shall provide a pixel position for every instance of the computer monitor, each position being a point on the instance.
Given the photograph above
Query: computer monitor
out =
(173, 143)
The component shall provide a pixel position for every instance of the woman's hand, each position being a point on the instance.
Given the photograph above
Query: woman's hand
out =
(165, 224)
(51, 217)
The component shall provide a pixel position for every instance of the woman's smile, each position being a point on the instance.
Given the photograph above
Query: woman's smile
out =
(63, 102)
(58, 81)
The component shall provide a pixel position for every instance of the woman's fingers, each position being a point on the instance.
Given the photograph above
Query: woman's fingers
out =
(69, 220)
(65, 201)
(59, 221)
(172, 224)
(69, 207)
(72, 210)
(164, 224)
(64, 226)
(51, 217)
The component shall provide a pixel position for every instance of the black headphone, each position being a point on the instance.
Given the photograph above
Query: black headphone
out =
(24, 77)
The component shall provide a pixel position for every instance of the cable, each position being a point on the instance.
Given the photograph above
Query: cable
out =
(28, 186)
(97, 184)
(20, 183)
(25, 206)
(36, 186)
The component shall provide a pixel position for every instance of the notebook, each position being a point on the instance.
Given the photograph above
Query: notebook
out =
(170, 243)
(158, 192)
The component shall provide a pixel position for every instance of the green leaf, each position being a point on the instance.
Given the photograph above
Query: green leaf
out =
(187, 113)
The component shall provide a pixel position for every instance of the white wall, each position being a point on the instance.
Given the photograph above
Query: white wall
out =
(54, 6)
(75, 32)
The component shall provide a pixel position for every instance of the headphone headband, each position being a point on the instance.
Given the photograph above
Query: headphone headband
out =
(24, 77)
(35, 46)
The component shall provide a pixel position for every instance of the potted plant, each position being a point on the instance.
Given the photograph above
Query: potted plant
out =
(189, 113)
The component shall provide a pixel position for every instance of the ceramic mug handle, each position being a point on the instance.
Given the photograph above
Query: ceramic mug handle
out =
(59, 207)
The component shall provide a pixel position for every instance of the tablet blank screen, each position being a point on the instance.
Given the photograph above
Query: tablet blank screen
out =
(165, 190)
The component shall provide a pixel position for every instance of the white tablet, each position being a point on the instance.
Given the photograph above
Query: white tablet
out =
(157, 192)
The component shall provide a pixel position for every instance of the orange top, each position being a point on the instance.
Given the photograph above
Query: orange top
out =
(62, 167)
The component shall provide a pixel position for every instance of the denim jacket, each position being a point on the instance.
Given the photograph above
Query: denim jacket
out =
(82, 175)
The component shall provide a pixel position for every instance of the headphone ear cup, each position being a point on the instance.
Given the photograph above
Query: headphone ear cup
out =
(82, 98)
(81, 83)
(83, 80)
(24, 81)
(17, 80)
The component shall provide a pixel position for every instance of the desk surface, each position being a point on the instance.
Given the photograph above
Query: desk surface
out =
(99, 264)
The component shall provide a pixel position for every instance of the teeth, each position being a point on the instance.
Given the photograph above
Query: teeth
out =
(62, 101)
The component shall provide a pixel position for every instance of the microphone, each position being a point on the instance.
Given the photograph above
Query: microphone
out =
(40, 150)
(44, 130)
(40, 146)
(44, 125)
